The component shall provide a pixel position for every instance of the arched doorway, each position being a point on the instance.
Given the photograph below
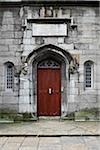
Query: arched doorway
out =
(38, 66)
(49, 88)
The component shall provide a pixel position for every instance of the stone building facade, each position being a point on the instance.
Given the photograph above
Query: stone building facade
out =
(58, 36)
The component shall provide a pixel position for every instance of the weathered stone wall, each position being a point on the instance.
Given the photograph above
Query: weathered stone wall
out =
(87, 43)
(10, 51)
(83, 42)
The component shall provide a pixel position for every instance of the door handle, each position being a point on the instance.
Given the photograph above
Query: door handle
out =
(50, 91)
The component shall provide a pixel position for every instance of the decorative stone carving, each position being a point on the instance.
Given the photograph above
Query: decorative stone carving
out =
(60, 13)
(17, 71)
(23, 59)
(42, 12)
(24, 69)
(74, 65)
(21, 13)
(21, 69)
(73, 25)
(29, 13)
(49, 12)
(46, 12)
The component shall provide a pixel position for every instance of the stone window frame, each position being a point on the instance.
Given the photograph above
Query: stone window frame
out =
(88, 75)
(9, 76)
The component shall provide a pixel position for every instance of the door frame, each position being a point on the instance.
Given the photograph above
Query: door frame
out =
(64, 79)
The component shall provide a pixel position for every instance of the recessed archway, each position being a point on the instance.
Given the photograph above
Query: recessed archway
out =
(50, 52)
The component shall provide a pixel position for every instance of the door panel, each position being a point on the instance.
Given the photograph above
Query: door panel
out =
(49, 100)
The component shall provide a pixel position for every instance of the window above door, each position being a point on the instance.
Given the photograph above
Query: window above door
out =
(48, 64)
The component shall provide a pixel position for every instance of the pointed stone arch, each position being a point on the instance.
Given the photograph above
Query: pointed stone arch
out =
(51, 50)
(47, 52)
(63, 57)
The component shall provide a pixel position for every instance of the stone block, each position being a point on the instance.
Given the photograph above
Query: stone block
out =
(18, 34)
(78, 11)
(87, 34)
(4, 48)
(7, 58)
(7, 35)
(89, 13)
(1, 13)
(9, 99)
(0, 100)
(14, 48)
(7, 27)
(8, 21)
(24, 92)
(10, 107)
(1, 73)
(17, 21)
(90, 27)
(88, 40)
(18, 54)
(24, 99)
(39, 40)
(28, 34)
(98, 58)
(84, 58)
(60, 40)
(73, 91)
(98, 85)
(17, 41)
(81, 46)
(29, 48)
(81, 77)
(17, 27)
(7, 54)
(66, 12)
(27, 41)
(87, 20)
(89, 52)
(77, 85)
(21, 84)
(7, 13)
(67, 47)
(50, 40)
(26, 84)
(93, 47)
(83, 105)
(72, 106)
(24, 108)
(6, 41)
(33, 41)
(90, 98)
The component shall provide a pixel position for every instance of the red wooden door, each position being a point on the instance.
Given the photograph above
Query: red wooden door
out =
(49, 96)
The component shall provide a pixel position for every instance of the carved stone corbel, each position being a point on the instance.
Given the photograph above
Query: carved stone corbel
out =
(24, 69)
(17, 71)
(73, 67)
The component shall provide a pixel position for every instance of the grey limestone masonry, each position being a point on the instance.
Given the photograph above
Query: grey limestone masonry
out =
(31, 31)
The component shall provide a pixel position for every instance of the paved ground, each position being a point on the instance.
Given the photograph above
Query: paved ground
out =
(51, 127)
(50, 143)
(50, 135)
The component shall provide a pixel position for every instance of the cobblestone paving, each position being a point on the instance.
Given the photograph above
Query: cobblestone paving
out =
(51, 127)
(50, 143)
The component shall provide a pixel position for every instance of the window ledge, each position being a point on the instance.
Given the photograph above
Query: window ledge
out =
(89, 91)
